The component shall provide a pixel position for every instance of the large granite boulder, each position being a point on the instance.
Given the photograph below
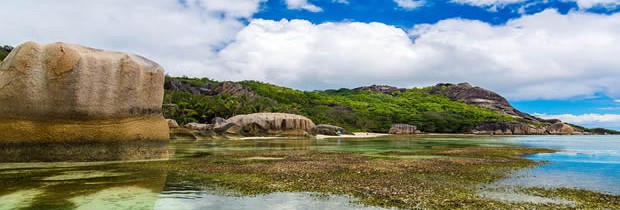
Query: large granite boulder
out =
(403, 129)
(69, 93)
(330, 130)
(562, 129)
(261, 124)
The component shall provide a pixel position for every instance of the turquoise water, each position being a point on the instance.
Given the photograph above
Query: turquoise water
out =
(584, 162)
(588, 162)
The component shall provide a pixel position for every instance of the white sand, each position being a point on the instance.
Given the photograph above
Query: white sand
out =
(356, 135)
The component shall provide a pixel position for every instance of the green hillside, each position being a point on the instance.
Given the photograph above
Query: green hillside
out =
(356, 110)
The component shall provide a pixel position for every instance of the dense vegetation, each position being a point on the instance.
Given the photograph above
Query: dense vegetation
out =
(352, 109)
(4, 51)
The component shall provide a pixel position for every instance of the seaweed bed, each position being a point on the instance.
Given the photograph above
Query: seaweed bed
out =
(436, 180)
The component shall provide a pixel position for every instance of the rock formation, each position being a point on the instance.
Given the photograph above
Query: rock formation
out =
(509, 128)
(520, 128)
(172, 123)
(229, 88)
(267, 124)
(331, 130)
(385, 89)
(65, 93)
(199, 126)
(403, 129)
(480, 97)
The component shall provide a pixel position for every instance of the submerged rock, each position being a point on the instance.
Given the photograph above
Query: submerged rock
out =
(69, 93)
(331, 130)
(403, 129)
(267, 124)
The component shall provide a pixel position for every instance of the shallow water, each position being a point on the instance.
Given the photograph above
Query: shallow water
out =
(583, 162)
(590, 161)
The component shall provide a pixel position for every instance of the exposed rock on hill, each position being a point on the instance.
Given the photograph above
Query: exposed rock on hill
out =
(331, 130)
(479, 97)
(64, 92)
(385, 89)
(520, 128)
(267, 124)
(403, 129)
(229, 88)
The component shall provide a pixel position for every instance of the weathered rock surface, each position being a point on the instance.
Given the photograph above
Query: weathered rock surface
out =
(267, 124)
(509, 128)
(199, 126)
(331, 130)
(172, 123)
(563, 129)
(520, 128)
(229, 88)
(480, 97)
(217, 121)
(63, 92)
(403, 129)
(385, 89)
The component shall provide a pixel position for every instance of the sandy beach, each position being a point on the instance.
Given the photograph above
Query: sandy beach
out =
(356, 135)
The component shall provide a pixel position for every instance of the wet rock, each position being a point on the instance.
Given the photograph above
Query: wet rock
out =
(260, 124)
(64, 92)
(403, 129)
(331, 130)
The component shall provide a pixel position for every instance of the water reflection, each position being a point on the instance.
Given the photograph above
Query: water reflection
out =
(83, 151)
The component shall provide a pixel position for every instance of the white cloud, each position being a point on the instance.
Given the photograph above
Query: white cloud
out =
(486, 3)
(409, 4)
(587, 4)
(341, 1)
(589, 120)
(302, 5)
(617, 100)
(545, 55)
(582, 4)
(180, 37)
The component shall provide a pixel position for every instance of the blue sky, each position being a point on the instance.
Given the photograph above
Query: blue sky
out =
(556, 58)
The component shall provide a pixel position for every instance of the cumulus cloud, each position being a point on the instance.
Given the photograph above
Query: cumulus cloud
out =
(409, 4)
(582, 4)
(341, 1)
(588, 120)
(587, 4)
(302, 5)
(545, 55)
(486, 3)
(180, 35)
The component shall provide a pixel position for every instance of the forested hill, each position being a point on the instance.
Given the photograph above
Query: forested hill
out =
(373, 108)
